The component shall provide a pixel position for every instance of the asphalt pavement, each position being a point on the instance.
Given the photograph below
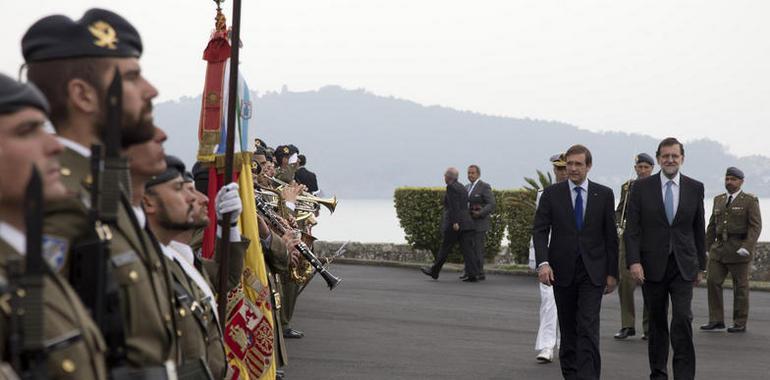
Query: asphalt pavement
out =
(396, 323)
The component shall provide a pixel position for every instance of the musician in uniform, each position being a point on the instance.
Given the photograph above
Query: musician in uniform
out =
(23, 145)
(731, 240)
(643, 166)
(72, 62)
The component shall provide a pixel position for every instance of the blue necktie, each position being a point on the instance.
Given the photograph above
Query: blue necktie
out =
(668, 202)
(579, 208)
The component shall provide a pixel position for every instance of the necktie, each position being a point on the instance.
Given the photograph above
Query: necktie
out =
(668, 202)
(579, 208)
(729, 200)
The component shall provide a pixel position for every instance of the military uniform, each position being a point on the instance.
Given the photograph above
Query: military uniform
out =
(627, 284)
(731, 227)
(139, 269)
(63, 314)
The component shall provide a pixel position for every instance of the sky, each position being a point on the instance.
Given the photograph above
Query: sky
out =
(691, 69)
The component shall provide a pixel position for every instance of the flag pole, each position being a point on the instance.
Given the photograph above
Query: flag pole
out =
(224, 242)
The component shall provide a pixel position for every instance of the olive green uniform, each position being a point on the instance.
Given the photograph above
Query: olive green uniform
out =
(277, 260)
(200, 338)
(63, 314)
(141, 271)
(627, 283)
(730, 228)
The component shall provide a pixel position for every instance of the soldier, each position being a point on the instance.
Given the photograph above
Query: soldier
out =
(174, 209)
(643, 167)
(24, 144)
(731, 239)
(286, 157)
(72, 62)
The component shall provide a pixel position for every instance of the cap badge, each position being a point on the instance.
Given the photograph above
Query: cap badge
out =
(105, 36)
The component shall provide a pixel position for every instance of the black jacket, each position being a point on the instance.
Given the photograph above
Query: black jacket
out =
(456, 208)
(649, 238)
(597, 242)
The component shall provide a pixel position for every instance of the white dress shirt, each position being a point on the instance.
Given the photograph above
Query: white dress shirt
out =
(14, 237)
(472, 186)
(79, 149)
(674, 189)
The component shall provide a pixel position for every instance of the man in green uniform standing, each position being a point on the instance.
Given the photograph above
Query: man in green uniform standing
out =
(73, 62)
(643, 166)
(24, 144)
(731, 239)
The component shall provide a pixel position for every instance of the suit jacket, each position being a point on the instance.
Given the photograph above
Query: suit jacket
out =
(734, 227)
(481, 199)
(649, 238)
(456, 208)
(307, 178)
(596, 243)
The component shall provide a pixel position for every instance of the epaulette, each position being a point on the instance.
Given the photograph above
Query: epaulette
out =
(750, 195)
(723, 195)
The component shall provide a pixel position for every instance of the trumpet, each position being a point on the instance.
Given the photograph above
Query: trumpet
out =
(309, 200)
(304, 204)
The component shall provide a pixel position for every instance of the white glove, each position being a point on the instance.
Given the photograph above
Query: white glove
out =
(743, 252)
(293, 158)
(228, 201)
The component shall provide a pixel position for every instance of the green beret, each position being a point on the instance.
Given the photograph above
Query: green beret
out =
(15, 96)
(99, 33)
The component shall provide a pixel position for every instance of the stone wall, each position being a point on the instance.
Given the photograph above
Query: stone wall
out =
(405, 253)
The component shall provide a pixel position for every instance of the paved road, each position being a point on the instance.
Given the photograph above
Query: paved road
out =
(395, 323)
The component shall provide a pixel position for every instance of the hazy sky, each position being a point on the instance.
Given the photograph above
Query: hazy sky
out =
(686, 68)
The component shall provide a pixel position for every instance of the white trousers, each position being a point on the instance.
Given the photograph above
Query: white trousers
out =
(548, 333)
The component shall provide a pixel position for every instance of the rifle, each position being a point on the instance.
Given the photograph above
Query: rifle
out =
(90, 275)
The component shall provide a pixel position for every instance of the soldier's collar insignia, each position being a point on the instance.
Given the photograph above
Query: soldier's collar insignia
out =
(104, 35)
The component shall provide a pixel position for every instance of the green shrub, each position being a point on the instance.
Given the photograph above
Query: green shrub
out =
(419, 211)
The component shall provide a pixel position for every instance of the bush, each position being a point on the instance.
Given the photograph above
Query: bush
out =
(419, 211)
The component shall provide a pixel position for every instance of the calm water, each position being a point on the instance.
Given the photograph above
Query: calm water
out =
(374, 220)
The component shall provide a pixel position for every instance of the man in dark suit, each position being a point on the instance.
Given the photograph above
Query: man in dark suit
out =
(580, 260)
(482, 205)
(665, 251)
(306, 177)
(456, 227)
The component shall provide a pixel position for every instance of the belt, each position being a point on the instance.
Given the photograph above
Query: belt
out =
(725, 237)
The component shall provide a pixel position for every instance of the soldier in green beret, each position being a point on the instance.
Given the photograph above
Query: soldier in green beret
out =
(731, 240)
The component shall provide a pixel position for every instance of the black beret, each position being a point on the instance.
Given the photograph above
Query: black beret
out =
(188, 177)
(293, 149)
(174, 168)
(200, 174)
(734, 172)
(646, 158)
(282, 151)
(15, 96)
(258, 143)
(99, 33)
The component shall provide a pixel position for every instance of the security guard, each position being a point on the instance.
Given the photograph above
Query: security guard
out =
(643, 166)
(72, 62)
(731, 239)
(24, 143)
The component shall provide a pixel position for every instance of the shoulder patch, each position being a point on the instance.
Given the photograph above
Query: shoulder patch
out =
(55, 251)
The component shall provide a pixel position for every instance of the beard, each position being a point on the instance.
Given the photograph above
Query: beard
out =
(165, 220)
(138, 130)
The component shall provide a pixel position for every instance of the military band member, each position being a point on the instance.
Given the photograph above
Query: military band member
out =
(72, 62)
(731, 240)
(643, 168)
(24, 144)
(287, 161)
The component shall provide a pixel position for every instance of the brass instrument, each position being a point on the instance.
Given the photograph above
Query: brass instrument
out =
(306, 199)
(302, 272)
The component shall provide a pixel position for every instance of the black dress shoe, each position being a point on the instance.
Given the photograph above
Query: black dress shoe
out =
(429, 272)
(482, 277)
(290, 333)
(713, 326)
(464, 276)
(625, 332)
(279, 374)
(471, 279)
(645, 337)
(736, 329)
